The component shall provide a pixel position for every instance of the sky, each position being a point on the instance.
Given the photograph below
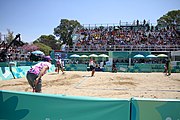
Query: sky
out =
(33, 18)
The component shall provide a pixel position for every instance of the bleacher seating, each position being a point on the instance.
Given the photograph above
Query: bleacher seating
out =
(126, 38)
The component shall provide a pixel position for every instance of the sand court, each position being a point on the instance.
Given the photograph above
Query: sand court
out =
(104, 85)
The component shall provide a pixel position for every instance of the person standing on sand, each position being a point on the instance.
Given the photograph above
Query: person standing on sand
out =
(167, 67)
(114, 69)
(59, 65)
(36, 72)
(92, 65)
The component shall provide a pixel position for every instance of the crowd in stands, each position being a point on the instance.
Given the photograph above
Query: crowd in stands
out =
(13, 52)
(118, 37)
(115, 38)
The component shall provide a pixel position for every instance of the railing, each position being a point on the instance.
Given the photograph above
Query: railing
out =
(134, 23)
(123, 48)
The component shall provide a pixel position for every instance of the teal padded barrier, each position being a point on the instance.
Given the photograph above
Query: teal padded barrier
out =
(76, 67)
(21, 63)
(22, 70)
(52, 69)
(143, 67)
(18, 72)
(37, 106)
(25, 69)
(175, 69)
(130, 69)
(155, 109)
(5, 73)
(122, 68)
(134, 69)
(4, 64)
(157, 67)
(107, 68)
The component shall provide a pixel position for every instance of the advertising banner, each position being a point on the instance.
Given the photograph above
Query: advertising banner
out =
(37, 106)
(155, 109)
(5, 73)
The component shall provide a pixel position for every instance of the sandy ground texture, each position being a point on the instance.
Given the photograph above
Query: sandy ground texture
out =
(104, 85)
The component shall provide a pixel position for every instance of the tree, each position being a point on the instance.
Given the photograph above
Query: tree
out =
(9, 36)
(48, 40)
(172, 18)
(65, 30)
(29, 48)
(44, 48)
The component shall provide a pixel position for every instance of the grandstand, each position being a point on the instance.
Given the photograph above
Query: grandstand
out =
(121, 41)
(124, 40)
(125, 37)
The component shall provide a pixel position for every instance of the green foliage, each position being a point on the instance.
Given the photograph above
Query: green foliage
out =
(65, 30)
(172, 18)
(29, 47)
(44, 48)
(9, 36)
(48, 40)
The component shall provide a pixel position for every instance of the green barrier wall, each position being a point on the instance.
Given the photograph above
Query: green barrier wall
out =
(122, 68)
(107, 68)
(176, 69)
(37, 106)
(20, 72)
(155, 109)
(4, 64)
(140, 67)
(52, 69)
(5, 73)
(157, 67)
(76, 67)
(143, 67)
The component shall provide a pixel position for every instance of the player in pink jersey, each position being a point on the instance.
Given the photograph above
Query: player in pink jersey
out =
(36, 72)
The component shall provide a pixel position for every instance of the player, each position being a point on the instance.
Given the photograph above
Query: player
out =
(36, 72)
